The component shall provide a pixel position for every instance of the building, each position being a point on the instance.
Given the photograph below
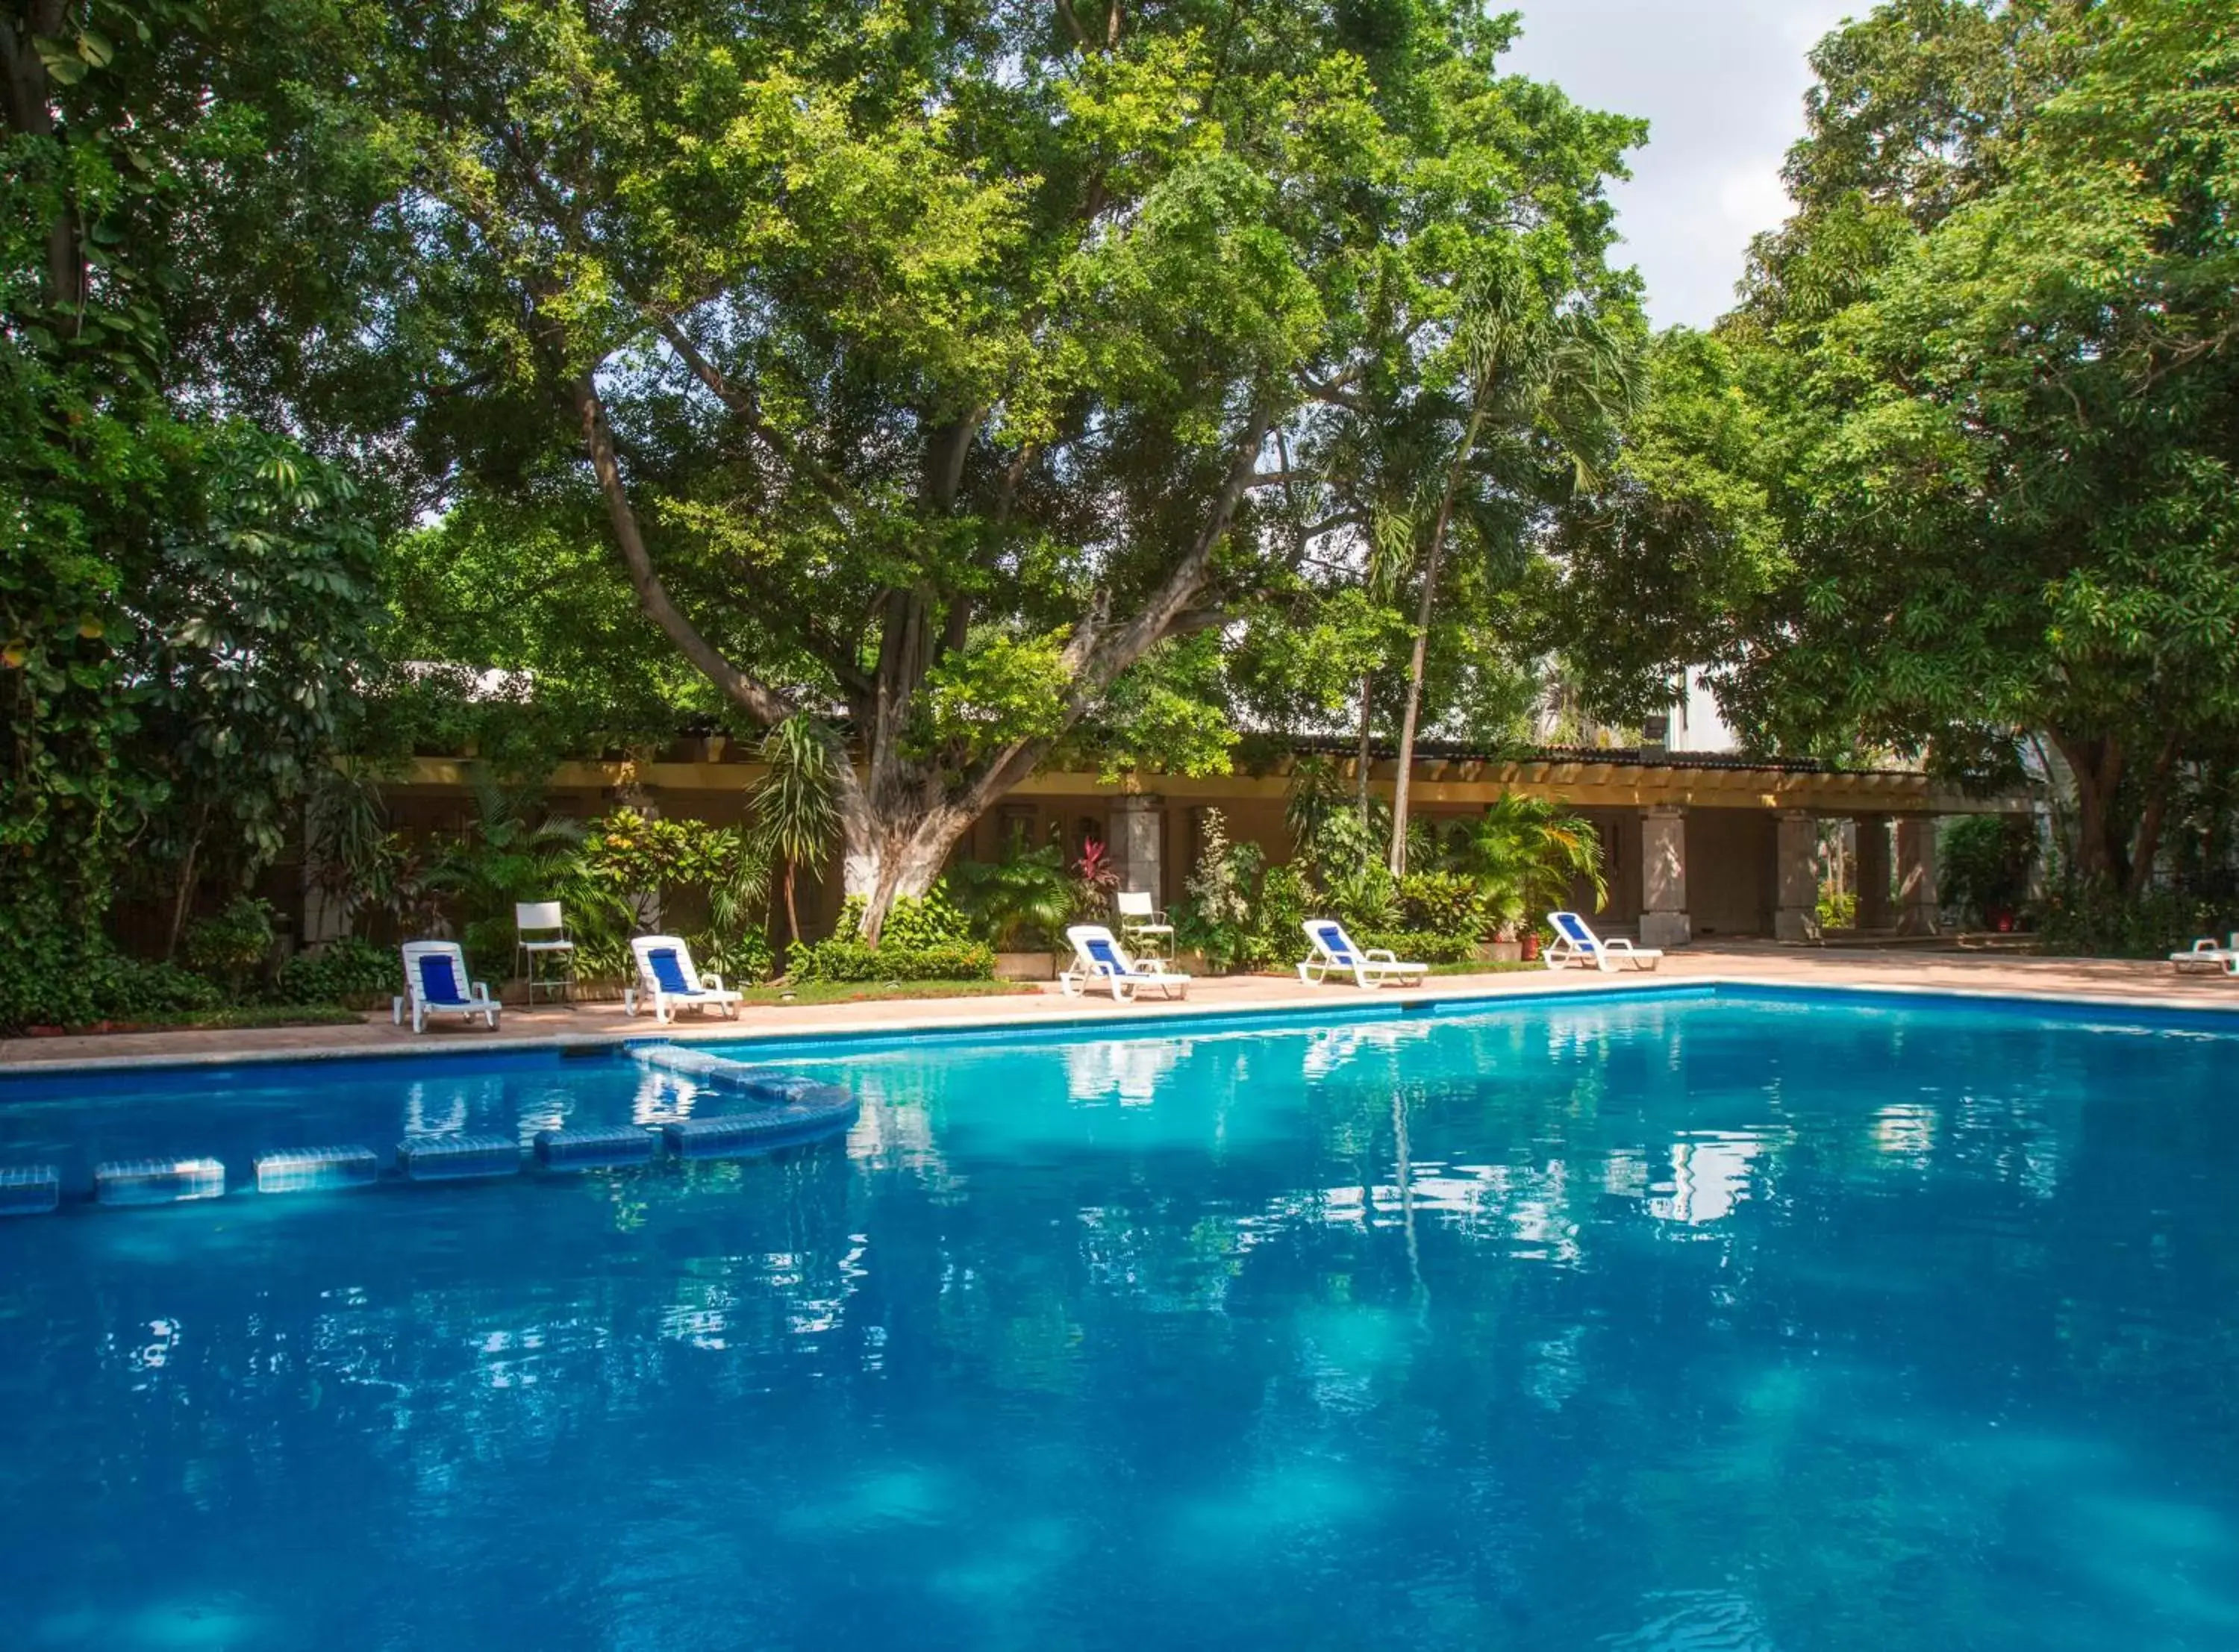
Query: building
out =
(1696, 845)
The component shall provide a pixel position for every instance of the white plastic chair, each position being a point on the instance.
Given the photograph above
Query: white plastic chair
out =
(540, 936)
(435, 979)
(1577, 944)
(1335, 954)
(2207, 953)
(667, 980)
(1099, 960)
(1142, 924)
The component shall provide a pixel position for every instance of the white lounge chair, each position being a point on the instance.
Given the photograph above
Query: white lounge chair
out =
(435, 979)
(1099, 960)
(2207, 953)
(1335, 954)
(667, 981)
(1141, 923)
(1575, 943)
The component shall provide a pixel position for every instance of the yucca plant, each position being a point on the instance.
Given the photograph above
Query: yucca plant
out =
(793, 813)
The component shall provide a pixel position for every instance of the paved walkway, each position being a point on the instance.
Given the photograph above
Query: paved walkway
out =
(1913, 969)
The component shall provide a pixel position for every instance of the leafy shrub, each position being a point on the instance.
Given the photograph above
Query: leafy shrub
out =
(845, 958)
(1420, 946)
(232, 945)
(1443, 903)
(56, 981)
(1986, 860)
(348, 970)
(742, 960)
(2095, 919)
(1218, 916)
(1023, 900)
(913, 923)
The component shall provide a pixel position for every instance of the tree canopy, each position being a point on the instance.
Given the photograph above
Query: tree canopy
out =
(1957, 471)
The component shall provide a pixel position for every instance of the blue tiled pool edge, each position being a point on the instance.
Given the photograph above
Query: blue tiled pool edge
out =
(775, 1043)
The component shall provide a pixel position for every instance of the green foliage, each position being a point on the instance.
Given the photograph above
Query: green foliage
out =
(1525, 853)
(1985, 863)
(58, 980)
(843, 958)
(231, 945)
(915, 924)
(346, 969)
(2087, 917)
(1420, 945)
(1218, 915)
(1444, 902)
(1958, 473)
(1023, 900)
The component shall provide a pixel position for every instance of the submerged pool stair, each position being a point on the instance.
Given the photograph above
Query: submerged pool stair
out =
(782, 1109)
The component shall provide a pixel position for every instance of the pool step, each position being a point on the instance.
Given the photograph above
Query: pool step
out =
(158, 1181)
(816, 1110)
(29, 1189)
(309, 1169)
(458, 1159)
(590, 1148)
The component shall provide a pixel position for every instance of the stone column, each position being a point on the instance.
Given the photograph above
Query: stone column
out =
(1663, 879)
(1874, 873)
(1796, 878)
(1138, 831)
(1916, 876)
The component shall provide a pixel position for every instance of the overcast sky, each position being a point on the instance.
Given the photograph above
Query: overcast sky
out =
(1721, 83)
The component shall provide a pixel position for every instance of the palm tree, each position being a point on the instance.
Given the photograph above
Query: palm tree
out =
(1557, 382)
(792, 808)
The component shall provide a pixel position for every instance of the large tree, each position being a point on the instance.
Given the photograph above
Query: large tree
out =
(930, 362)
(1959, 471)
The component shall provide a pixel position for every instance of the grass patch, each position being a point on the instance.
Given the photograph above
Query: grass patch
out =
(1472, 967)
(878, 991)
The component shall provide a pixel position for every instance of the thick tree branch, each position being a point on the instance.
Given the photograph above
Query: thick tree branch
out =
(756, 698)
(743, 403)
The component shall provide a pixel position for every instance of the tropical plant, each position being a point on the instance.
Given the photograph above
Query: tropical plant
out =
(1217, 915)
(231, 945)
(1525, 853)
(345, 969)
(1023, 899)
(792, 810)
(1985, 863)
(1095, 881)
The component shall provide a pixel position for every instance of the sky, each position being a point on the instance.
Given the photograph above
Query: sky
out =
(1721, 83)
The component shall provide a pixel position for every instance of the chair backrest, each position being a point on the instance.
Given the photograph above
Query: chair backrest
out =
(1133, 903)
(537, 914)
(1329, 934)
(666, 963)
(1572, 928)
(1097, 949)
(437, 971)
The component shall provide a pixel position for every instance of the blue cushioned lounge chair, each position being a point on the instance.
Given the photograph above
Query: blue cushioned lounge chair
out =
(435, 979)
(1575, 944)
(1335, 954)
(667, 981)
(1099, 960)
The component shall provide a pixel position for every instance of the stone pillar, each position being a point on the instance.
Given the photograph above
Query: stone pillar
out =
(1916, 876)
(1796, 878)
(1874, 873)
(1139, 831)
(1663, 879)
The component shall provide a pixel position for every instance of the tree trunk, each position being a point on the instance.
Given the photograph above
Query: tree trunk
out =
(1367, 688)
(791, 913)
(185, 896)
(2145, 848)
(30, 111)
(1417, 660)
(2096, 761)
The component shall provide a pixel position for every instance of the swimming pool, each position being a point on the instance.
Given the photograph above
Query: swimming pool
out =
(1682, 1320)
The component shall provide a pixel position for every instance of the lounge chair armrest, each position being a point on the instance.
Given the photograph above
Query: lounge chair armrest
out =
(481, 989)
(711, 980)
(1382, 955)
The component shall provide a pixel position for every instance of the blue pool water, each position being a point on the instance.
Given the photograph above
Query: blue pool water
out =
(1683, 1322)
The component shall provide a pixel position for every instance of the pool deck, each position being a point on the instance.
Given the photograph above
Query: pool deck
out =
(2128, 984)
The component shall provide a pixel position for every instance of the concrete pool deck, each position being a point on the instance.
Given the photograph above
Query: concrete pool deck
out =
(2114, 982)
